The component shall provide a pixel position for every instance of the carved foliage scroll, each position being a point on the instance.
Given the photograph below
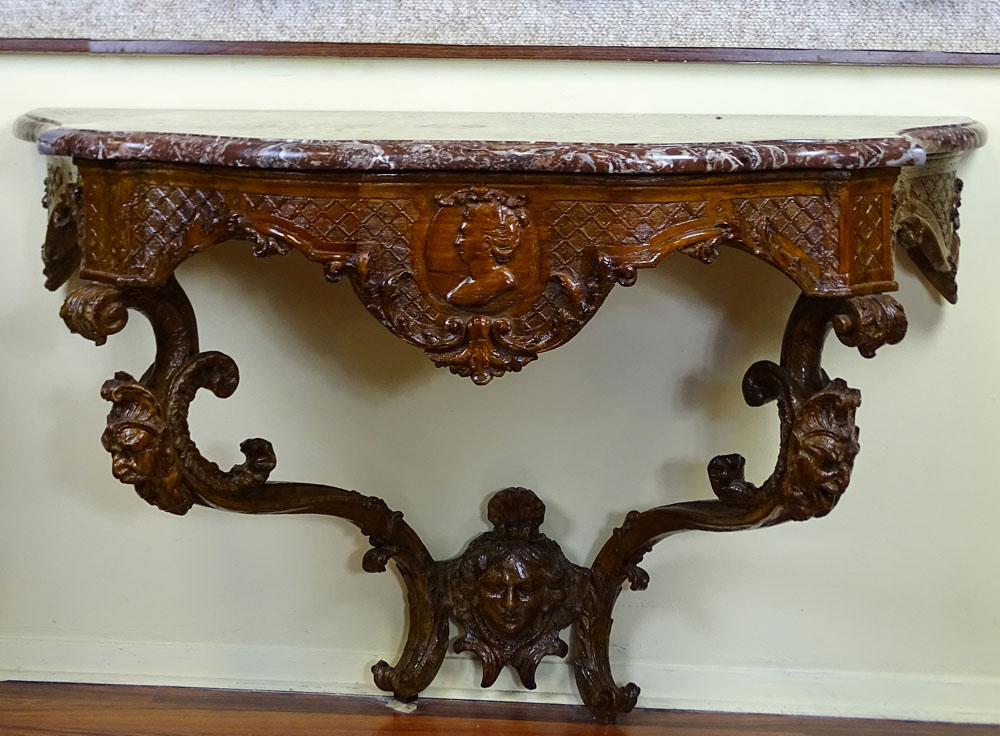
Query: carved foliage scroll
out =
(150, 443)
(147, 433)
(512, 591)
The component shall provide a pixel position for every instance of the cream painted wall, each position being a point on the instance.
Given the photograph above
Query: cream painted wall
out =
(888, 607)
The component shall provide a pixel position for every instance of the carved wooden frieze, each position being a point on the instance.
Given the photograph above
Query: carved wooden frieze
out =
(63, 197)
(926, 221)
(484, 274)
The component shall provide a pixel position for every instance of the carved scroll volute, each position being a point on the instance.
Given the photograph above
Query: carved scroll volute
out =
(150, 443)
(513, 590)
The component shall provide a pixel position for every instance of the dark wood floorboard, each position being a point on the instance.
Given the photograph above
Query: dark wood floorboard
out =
(55, 709)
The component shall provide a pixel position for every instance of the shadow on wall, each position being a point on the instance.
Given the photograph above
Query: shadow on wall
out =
(751, 301)
(326, 319)
(748, 300)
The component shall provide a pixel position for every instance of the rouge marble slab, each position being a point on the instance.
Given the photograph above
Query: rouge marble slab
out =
(564, 143)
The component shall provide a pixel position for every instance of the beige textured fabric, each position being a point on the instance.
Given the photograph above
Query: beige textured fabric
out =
(923, 25)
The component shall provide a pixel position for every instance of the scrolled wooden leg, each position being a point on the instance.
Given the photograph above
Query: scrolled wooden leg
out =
(150, 443)
(819, 441)
(151, 448)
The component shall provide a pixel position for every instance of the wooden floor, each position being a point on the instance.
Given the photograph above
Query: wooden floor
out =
(40, 709)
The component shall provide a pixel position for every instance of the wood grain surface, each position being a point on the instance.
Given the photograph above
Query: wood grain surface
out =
(454, 51)
(47, 709)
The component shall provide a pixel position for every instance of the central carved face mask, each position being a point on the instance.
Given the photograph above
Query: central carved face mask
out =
(509, 597)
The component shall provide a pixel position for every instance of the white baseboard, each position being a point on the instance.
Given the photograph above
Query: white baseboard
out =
(928, 697)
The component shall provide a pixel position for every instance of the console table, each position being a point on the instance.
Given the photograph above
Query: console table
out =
(486, 240)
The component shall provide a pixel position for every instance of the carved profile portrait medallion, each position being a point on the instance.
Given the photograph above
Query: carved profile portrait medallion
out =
(480, 253)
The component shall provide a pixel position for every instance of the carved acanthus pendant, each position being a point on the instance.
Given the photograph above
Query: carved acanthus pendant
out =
(63, 199)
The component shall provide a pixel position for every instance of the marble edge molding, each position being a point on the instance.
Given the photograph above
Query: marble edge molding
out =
(910, 147)
(948, 138)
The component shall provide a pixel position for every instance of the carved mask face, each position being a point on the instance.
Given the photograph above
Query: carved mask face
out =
(509, 597)
(824, 463)
(821, 472)
(134, 453)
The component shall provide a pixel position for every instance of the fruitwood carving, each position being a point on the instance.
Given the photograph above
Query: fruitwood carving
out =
(926, 221)
(819, 441)
(61, 249)
(513, 590)
(484, 272)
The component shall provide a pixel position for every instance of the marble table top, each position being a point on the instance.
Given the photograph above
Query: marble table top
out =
(566, 143)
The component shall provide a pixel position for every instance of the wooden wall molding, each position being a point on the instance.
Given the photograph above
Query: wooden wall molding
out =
(454, 51)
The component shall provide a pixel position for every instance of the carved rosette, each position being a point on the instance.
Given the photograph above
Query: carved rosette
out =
(513, 590)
